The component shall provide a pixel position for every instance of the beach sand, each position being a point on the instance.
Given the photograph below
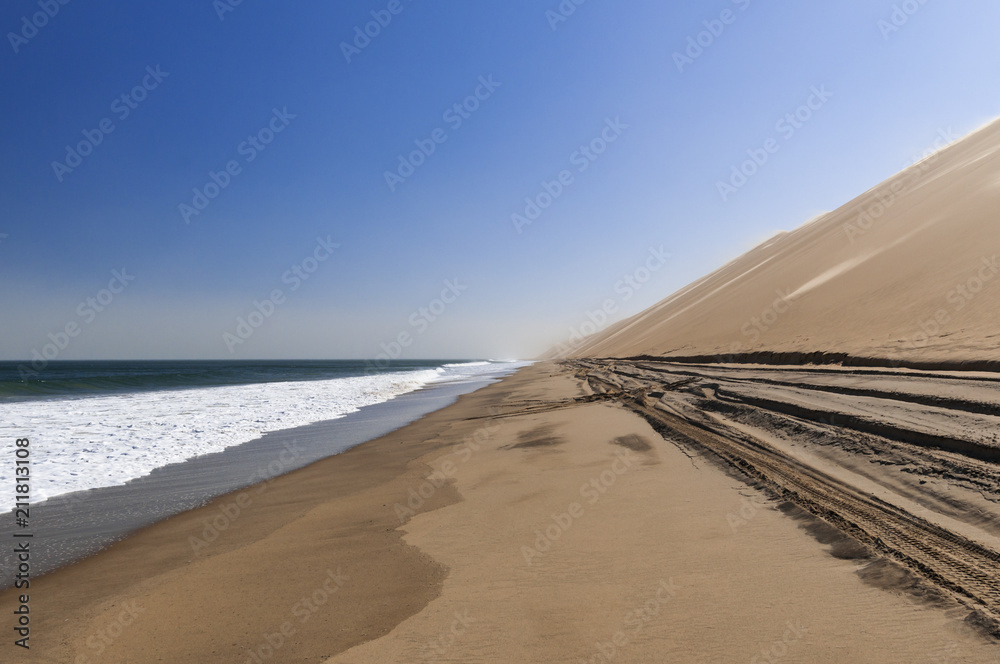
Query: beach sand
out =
(906, 274)
(529, 521)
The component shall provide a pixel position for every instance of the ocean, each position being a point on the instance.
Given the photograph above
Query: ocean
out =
(102, 424)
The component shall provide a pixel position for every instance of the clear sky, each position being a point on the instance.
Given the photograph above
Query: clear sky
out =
(309, 115)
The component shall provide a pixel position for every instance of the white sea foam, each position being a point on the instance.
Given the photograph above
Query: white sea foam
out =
(94, 441)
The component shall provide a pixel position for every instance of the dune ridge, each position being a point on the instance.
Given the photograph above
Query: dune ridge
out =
(904, 275)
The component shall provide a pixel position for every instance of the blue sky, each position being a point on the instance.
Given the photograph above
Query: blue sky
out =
(554, 86)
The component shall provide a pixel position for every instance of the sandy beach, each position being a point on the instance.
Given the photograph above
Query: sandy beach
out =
(725, 477)
(501, 332)
(534, 520)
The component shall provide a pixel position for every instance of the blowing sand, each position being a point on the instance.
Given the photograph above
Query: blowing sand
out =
(527, 522)
(906, 273)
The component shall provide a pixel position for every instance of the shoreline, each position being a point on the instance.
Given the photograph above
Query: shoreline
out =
(411, 547)
(77, 525)
(81, 611)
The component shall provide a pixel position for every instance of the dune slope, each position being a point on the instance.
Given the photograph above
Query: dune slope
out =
(905, 274)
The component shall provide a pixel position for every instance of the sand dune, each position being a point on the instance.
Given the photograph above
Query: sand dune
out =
(905, 273)
(637, 510)
(536, 520)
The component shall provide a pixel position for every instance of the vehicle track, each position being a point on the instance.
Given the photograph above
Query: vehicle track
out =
(964, 569)
(921, 399)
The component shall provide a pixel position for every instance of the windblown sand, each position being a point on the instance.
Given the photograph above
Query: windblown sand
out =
(550, 530)
(906, 272)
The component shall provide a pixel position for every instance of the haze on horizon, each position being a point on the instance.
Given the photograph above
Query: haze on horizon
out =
(616, 115)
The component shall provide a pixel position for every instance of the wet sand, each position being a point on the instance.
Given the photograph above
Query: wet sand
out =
(530, 521)
(76, 525)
